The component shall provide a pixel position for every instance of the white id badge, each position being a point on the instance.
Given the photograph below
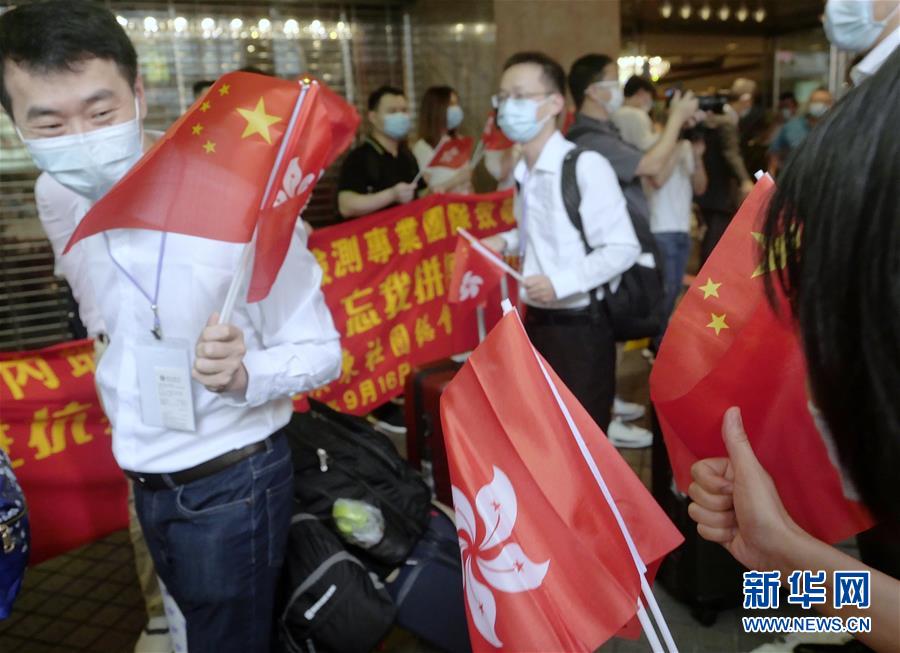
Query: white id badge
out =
(164, 377)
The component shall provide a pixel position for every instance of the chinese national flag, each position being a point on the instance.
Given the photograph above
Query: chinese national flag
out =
(568, 121)
(453, 153)
(545, 565)
(208, 175)
(474, 276)
(342, 117)
(724, 347)
(493, 137)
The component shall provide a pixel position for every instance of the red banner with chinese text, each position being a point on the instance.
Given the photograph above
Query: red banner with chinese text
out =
(386, 278)
(58, 439)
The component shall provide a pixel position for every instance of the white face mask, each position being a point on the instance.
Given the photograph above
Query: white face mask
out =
(90, 163)
(850, 24)
(616, 96)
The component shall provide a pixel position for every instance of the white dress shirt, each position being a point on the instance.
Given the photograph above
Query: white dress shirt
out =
(670, 204)
(59, 210)
(553, 246)
(292, 345)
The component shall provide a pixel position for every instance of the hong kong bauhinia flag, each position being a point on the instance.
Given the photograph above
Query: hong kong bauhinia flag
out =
(453, 153)
(492, 138)
(545, 565)
(243, 159)
(474, 276)
(725, 346)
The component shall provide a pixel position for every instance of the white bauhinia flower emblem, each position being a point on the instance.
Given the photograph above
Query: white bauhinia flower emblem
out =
(510, 571)
(293, 183)
(449, 155)
(470, 285)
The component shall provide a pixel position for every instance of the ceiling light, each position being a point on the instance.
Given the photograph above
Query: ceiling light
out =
(685, 11)
(705, 12)
(741, 14)
(150, 24)
(236, 24)
(122, 21)
(759, 15)
(180, 23)
(208, 24)
(724, 12)
(264, 24)
(665, 9)
(291, 27)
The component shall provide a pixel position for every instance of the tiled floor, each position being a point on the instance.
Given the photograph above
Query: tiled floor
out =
(89, 601)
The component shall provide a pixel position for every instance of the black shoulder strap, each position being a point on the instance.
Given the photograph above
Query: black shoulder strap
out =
(571, 194)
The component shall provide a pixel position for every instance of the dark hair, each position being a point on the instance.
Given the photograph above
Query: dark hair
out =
(787, 95)
(552, 73)
(433, 114)
(584, 72)
(55, 35)
(380, 92)
(839, 203)
(636, 83)
(201, 86)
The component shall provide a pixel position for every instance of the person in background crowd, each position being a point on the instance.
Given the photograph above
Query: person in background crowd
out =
(752, 121)
(670, 216)
(214, 502)
(565, 319)
(594, 83)
(633, 117)
(201, 87)
(379, 173)
(728, 179)
(795, 130)
(439, 118)
(840, 193)
(787, 106)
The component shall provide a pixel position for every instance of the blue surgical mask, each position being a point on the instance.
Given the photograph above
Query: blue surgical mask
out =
(850, 25)
(90, 163)
(817, 109)
(396, 125)
(454, 116)
(517, 118)
(616, 96)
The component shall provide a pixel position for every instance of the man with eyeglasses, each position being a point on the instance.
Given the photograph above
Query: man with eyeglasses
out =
(566, 319)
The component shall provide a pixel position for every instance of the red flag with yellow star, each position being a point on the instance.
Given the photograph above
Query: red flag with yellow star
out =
(224, 167)
(725, 346)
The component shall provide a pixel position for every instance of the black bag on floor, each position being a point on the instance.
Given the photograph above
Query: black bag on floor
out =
(339, 456)
(334, 603)
(428, 590)
(699, 573)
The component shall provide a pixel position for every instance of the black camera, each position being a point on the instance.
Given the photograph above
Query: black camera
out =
(712, 103)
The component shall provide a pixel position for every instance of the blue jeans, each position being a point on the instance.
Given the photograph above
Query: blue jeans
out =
(675, 247)
(218, 544)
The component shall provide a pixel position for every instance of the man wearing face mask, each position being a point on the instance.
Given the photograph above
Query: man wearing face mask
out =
(633, 117)
(566, 319)
(213, 478)
(795, 130)
(866, 27)
(379, 173)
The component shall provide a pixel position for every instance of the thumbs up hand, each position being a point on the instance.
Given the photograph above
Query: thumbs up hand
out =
(736, 504)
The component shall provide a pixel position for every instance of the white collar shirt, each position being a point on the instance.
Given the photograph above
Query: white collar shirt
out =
(292, 345)
(552, 244)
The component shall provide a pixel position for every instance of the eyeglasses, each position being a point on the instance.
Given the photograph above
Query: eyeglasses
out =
(498, 99)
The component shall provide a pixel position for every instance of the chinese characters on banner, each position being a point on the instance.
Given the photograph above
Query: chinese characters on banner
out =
(58, 439)
(386, 278)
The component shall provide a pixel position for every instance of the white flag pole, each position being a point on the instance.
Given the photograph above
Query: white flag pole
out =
(237, 282)
(604, 489)
(437, 149)
(647, 625)
(488, 254)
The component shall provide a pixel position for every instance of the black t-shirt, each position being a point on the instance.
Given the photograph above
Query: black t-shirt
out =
(371, 169)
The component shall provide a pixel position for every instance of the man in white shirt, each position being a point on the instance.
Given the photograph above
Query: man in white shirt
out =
(565, 318)
(213, 475)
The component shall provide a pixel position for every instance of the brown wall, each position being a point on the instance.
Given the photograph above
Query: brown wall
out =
(564, 29)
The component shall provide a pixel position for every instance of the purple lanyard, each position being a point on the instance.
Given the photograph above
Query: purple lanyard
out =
(154, 301)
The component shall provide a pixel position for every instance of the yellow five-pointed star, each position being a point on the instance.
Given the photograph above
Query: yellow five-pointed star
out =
(258, 121)
(710, 289)
(196, 129)
(223, 90)
(205, 106)
(777, 257)
(718, 322)
(209, 146)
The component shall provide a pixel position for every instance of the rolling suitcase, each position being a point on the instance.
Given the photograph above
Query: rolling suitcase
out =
(699, 573)
(428, 590)
(424, 439)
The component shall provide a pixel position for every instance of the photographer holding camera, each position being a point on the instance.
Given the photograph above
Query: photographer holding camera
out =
(729, 181)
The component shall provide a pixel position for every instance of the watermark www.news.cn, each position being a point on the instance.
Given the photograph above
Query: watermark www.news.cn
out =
(807, 589)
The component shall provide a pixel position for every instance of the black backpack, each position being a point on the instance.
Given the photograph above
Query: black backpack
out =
(339, 456)
(334, 603)
(636, 308)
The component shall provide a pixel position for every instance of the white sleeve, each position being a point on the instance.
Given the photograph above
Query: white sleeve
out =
(607, 227)
(59, 210)
(298, 348)
(423, 153)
